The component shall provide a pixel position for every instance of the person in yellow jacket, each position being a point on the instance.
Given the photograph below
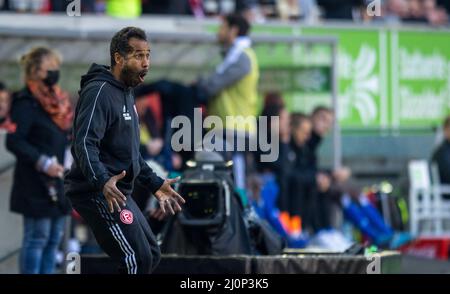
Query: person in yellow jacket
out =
(232, 88)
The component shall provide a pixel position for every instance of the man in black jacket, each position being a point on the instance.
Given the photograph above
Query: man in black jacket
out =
(107, 161)
(306, 182)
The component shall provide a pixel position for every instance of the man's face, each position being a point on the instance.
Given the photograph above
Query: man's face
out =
(302, 132)
(4, 103)
(323, 122)
(136, 64)
(226, 34)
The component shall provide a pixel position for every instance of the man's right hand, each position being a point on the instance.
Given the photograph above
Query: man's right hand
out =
(112, 194)
(55, 170)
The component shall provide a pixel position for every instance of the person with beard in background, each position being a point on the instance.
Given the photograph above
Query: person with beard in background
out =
(107, 162)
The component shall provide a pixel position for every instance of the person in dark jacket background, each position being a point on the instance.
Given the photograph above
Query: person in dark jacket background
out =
(337, 181)
(302, 177)
(280, 168)
(441, 155)
(305, 180)
(43, 115)
(107, 161)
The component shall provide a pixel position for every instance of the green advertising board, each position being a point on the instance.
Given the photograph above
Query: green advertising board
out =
(361, 75)
(420, 75)
(389, 78)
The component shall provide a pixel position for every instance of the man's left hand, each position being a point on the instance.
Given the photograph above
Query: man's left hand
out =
(168, 199)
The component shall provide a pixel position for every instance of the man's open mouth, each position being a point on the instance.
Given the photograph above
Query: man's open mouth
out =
(142, 76)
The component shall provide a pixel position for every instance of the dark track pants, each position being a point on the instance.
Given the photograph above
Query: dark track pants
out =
(126, 237)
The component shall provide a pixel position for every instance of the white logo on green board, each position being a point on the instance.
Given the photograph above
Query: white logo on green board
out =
(422, 84)
(363, 87)
(416, 65)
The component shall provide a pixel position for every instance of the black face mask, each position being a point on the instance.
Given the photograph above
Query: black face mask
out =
(52, 78)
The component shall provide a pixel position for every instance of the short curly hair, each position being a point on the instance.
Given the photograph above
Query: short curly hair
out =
(120, 41)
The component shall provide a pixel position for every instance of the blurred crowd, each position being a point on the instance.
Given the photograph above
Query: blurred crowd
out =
(38, 120)
(292, 193)
(433, 12)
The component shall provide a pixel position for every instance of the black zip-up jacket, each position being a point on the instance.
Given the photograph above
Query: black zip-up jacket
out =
(303, 164)
(106, 138)
(36, 135)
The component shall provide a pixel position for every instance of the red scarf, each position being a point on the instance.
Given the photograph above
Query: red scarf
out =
(54, 101)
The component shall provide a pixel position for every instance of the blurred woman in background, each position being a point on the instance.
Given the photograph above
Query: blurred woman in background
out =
(43, 115)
